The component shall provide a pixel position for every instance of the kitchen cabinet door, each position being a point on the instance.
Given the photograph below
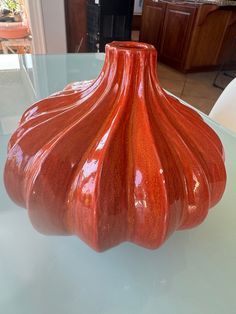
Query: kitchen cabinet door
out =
(176, 35)
(152, 22)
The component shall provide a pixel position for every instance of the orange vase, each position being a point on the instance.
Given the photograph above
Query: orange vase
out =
(115, 159)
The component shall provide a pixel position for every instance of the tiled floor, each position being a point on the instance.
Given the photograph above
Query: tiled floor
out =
(195, 88)
(135, 35)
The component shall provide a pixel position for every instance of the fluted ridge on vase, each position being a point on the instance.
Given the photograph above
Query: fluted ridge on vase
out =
(115, 159)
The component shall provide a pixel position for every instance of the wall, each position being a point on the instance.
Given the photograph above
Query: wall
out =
(138, 4)
(54, 25)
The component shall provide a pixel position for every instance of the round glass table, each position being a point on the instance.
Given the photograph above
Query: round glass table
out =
(194, 272)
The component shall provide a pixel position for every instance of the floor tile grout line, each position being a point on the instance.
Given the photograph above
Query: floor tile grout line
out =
(185, 80)
(196, 100)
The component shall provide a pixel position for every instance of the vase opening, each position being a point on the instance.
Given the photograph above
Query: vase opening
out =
(134, 61)
(130, 45)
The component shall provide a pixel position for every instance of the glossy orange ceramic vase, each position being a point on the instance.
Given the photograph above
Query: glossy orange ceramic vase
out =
(115, 159)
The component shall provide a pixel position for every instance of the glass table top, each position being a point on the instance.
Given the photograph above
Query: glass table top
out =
(193, 272)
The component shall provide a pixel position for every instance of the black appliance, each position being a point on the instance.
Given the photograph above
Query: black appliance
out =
(108, 20)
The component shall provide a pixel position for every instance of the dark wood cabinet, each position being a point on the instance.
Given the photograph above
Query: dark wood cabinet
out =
(176, 33)
(190, 36)
(152, 23)
(207, 38)
(76, 25)
(168, 27)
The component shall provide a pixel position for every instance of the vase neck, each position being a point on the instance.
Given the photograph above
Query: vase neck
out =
(133, 60)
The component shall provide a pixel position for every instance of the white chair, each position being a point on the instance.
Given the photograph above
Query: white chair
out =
(224, 110)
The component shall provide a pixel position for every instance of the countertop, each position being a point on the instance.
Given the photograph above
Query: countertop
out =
(220, 3)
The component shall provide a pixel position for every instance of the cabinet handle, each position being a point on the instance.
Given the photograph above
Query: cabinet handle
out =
(155, 1)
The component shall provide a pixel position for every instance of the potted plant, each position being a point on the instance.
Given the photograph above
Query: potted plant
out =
(11, 8)
(12, 24)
